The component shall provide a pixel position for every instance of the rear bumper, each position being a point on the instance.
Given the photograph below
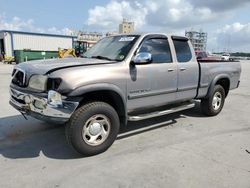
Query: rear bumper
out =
(39, 108)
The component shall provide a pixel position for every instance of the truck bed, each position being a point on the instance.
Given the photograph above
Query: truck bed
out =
(210, 70)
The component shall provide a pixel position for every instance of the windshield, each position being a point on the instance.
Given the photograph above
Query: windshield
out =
(112, 48)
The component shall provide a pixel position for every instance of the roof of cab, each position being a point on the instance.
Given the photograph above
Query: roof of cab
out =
(152, 33)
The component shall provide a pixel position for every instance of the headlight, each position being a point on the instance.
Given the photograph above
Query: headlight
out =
(38, 82)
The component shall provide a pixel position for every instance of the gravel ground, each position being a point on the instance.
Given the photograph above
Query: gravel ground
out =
(180, 150)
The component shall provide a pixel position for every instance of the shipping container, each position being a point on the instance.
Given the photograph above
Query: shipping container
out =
(29, 55)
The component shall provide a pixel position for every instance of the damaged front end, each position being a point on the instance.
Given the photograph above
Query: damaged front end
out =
(35, 95)
(50, 108)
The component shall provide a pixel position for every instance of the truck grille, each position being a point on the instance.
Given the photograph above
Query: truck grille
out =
(18, 77)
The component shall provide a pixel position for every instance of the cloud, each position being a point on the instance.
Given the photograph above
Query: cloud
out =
(19, 24)
(162, 14)
(111, 15)
(219, 5)
(179, 14)
(176, 16)
(234, 36)
(15, 23)
(64, 31)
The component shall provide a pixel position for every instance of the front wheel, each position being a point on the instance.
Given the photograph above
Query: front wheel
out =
(93, 128)
(214, 103)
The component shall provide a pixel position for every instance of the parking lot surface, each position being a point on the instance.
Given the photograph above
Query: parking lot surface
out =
(184, 149)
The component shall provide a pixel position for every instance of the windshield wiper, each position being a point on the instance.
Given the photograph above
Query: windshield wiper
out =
(102, 57)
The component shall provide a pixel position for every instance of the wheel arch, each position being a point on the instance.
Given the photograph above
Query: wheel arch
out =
(222, 80)
(108, 93)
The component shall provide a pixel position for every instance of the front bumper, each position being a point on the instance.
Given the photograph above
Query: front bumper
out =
(39, 108)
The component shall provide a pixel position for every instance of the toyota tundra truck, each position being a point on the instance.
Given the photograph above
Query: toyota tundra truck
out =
(129, 77)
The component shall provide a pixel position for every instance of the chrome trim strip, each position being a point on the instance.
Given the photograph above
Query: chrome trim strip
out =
(187, 88)
(159, 92)
(150, 93)
(160, 113)
(204, 85)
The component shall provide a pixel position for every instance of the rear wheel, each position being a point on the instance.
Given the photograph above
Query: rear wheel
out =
(214, 103)
(93, 128)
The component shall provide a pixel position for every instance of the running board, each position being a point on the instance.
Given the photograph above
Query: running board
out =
(161, 113)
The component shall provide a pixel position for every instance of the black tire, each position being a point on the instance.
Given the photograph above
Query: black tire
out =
(207, 104)
(75, 133)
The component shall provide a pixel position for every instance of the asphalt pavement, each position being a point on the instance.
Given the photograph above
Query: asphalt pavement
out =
(184, 149)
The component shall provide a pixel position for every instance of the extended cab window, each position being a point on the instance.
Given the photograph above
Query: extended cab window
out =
(159, 48)
(182, 50)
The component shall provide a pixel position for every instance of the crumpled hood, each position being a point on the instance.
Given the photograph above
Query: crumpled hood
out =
(47, 66)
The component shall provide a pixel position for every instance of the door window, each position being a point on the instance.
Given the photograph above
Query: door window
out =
(159, 49)
(182, 49)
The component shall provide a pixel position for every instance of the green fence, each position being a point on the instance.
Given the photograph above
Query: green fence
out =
(29, 55)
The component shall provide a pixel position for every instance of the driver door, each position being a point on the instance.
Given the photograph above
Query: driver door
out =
(155, 83)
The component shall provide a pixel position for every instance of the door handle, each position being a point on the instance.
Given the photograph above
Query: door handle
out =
(182, 69)
(170, 70)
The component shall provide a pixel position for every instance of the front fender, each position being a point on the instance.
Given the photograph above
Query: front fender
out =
(97, 87)
(80, 91)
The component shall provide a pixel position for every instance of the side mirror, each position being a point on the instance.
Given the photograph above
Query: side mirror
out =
(142, 58)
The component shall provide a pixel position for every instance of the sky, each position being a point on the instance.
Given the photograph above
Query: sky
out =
(227, 22)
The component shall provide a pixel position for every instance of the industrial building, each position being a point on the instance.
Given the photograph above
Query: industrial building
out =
(126, 26)
(89, 36)
(87, 39)
(198, 39)
(10, 41)
(111, 33)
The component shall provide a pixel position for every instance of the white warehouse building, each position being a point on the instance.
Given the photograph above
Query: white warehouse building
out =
(18, 40)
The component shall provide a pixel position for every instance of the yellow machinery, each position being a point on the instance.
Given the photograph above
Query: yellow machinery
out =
(79, 48)
(62, 53)
(8, 59)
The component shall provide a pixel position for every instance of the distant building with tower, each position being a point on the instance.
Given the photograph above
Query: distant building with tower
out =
(126, 26)
(198, 39)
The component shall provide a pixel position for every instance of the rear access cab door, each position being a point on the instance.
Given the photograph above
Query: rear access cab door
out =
(187, 69)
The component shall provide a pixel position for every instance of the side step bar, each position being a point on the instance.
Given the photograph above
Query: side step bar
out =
(161, 113)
